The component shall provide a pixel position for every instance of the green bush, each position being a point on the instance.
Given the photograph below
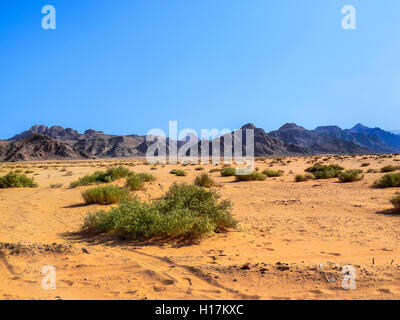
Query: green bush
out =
(204, 180)
(105, 195)
(98, 177)
(254, 176)
(185, 211)
(304, 177)
(389, 169)
(389, 180)
(136, 181)
(325, 171)
(16, 180)
(350, 176)
(272, 173)
(179, 172)
(215, 170)
(396, 200)
(228, 172)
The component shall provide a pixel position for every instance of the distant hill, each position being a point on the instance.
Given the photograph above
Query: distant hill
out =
(374, 139)
(290, 139)
(39, 147)
(318, 142)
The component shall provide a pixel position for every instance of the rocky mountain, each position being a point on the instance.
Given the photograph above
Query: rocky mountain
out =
(266, 145)
(290, 139)
(39, 147)
(318, 142)
(374, 139)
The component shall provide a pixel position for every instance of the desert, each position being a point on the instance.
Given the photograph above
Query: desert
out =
(293, 239)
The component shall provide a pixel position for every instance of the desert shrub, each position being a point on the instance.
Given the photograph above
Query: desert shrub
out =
(178, 172)
(365, 164)
(325, 171)
(185, 211)
(272, 173)
(204, 180)
(254, 176)
(215, 170)
(228, 172)
(396, 200)
(136, 181)
(56, 185)
(16, 180)
(98, 177)
(350, 176)
(372, 171)
(389, 168)
(389, 180)
(199, 169)
(105, 195)
(304, 177)
(146, 177)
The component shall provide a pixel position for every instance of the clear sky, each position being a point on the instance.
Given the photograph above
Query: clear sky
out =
(128, 66)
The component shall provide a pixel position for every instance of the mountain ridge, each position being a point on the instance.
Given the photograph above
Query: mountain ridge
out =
(289, 139)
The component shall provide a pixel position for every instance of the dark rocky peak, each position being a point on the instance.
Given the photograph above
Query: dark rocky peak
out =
(291, 126)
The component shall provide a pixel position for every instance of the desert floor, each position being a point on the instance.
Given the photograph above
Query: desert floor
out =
(294, 238)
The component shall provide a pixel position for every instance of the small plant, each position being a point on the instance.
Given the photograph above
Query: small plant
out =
(105, 195)
(389, 168)
(372, 171)
(272, 173)
(178, 172)
(365, 164)
(350, 176)
(199, 169)
(98, 177)
(304, 177)
(204, 180)
(228, 172)
(215, 170)
(16, 180)
(396, 200)
(254, 176)
(185, 212)
(389, 180)
(56, 185)
(325, 171)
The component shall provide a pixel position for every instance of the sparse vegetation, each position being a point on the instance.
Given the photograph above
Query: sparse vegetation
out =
(389, 180)
(325, 171)
(56, 185)
(204, 180)
(178, 172)
(105, 195)
(136, 182)
(304, 177)
(98, 177)
(185, 211)
(228, 172)
(350, 176)
(254, 176)
(16, 180)
(272, 173)
(396, 200)
(389, 168)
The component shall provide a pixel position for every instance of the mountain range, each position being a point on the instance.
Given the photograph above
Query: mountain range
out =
(44, 143)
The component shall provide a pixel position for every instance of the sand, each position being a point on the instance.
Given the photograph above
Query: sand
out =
(293, 241)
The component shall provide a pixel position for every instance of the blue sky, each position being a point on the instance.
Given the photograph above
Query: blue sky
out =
(128, 66)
